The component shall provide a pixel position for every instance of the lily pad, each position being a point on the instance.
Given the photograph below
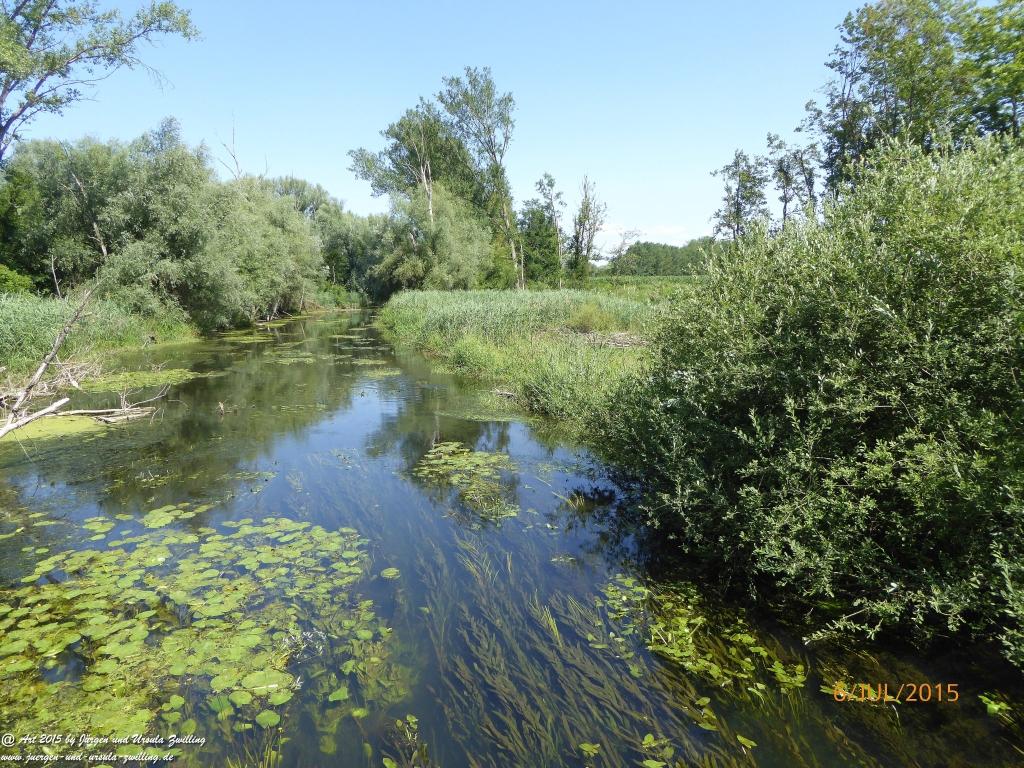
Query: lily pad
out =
(268, 719)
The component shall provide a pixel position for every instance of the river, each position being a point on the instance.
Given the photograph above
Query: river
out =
(315, 537)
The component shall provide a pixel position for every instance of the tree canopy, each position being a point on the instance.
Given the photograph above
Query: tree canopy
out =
(50, 50)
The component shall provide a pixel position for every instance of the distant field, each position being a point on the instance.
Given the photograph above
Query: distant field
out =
(642, 288)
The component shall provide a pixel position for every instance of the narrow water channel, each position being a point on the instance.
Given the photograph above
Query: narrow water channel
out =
(314, 538)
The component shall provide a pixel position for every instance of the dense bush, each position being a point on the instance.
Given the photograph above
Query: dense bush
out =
(150, 219)
(836, 415)
(14, 282)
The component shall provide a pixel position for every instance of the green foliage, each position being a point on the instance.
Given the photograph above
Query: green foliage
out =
(14, 282)
(923, 69)
(835, 414)
(641, 288)
(660, 259)
(539, 343)
(539, 239)
(743, 203)
(475, 474)
(50, 50)
(152, 222)
(437, 319)
(199, 620)
(446, 249)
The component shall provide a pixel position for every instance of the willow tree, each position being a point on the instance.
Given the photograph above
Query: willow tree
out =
(421, 150)
(50, 50)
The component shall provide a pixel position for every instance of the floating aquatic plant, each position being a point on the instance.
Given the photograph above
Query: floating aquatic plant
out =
(149, 633)
(126, 380)
(476, 475)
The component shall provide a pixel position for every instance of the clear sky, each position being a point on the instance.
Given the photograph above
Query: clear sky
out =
(647, 98)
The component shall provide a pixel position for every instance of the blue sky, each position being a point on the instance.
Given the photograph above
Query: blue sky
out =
(647, 98)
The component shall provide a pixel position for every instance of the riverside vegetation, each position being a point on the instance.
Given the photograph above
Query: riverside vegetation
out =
(319, 548)
(816, 419)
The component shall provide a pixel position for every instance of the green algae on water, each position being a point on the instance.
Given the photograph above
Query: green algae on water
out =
(51, 427)
(127, 380)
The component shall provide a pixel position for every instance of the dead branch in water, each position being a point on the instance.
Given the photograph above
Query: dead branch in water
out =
(15, 406)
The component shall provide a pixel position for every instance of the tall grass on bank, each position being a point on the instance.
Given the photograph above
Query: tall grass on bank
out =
(548, 347)
(29, 324)
(644, 288)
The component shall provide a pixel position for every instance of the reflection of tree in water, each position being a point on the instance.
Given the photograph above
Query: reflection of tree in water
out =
(191, 449)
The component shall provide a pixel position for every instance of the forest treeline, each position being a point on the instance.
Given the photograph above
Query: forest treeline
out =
(154, 225)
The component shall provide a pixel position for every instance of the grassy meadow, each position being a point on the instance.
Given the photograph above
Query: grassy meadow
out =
(559, 352)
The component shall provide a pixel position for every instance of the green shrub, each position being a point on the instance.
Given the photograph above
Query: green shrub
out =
(14, 282)
(835, 416)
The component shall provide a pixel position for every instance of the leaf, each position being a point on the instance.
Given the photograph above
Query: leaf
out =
(650, 763)
(278, 698)
(746, 742)
(589, 749)
(268, 719)
(339, 695)
(265, 682)
(390, 573)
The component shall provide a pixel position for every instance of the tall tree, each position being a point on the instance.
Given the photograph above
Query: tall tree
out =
(793, 171)
(482, 118)
(539, 241)
(553, 205)
(587, 222)
(743, 201)
(897, 70)
(51, 49)
(421, 149)
(993, 38)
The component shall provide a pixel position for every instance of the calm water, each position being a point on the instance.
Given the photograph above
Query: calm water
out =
(498, 631)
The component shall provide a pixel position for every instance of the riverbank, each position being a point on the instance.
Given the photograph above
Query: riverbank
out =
(29, 324)
(829, 421)
(558, 353)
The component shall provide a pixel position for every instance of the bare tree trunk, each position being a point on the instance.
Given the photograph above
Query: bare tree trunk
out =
(517, 260)
(17, 413)
(26, 393)
(53, 271)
